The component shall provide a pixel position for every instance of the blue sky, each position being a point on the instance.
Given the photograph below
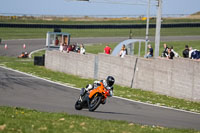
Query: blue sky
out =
(71, 8)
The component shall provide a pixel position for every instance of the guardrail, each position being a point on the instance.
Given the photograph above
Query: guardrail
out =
(113, 26)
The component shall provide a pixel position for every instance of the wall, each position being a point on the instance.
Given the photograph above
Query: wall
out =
(178, 78)
(71, 63)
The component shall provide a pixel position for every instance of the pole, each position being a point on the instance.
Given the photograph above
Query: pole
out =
(147, 27)
(158, 27)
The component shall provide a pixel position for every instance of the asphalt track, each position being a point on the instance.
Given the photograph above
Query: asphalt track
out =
(22, 90)
(15, 47)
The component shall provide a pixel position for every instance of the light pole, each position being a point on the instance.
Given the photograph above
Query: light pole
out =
(158, 27)
(147, 27)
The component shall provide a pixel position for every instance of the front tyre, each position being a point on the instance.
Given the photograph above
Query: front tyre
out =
(78, 105)
(94, 102)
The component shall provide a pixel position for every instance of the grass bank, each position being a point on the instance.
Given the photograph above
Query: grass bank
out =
(18, 120)
(30, 33)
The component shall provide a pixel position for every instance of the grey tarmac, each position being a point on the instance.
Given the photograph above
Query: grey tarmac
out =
(21, 90)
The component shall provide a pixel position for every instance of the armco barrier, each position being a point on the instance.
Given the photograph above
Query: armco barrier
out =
(178, 78)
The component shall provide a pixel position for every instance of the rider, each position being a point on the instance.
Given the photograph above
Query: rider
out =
(108, 84)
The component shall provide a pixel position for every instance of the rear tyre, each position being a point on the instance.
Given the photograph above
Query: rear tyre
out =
(94, 102)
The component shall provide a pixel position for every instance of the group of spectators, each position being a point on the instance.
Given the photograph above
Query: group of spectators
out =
(169, 52)
(122, 53)
(73, 48)
(191, 53)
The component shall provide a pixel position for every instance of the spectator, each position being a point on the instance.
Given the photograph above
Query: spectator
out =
(165, 51)
(107, 50)
(82, 49)
(73, 48)
(190, 52)
(61, 47)
(123, 51)
(56, 41)
(175, 53)
(186, 52)
(65, 47)
(150, 53)
(77, 48)
(170, 54)
(194, 54)
(69, 48)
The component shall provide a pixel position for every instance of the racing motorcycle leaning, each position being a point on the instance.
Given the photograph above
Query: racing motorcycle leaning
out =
(91, 99)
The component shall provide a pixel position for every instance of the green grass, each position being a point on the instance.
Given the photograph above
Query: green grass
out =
(18, 120)
(30, 33)
(26, 65)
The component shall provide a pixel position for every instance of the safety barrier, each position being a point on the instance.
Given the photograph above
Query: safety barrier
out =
(178, 78)
(113, 26)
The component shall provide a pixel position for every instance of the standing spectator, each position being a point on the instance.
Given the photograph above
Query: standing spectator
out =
(165, 51)
(82, 49)
(123, 51)
(107, 50)
(56, 41)
(150, 53)
(61, 47)
(170, 54)
(186, 52)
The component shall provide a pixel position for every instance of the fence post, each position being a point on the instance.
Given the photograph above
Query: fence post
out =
(133, 46)
(96, 63)
(139, 49)
(134, 71)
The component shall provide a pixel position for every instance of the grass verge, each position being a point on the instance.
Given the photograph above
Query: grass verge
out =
(18, 120)
(30, 33)
(26, 65)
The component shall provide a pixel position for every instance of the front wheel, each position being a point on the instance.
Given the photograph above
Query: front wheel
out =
(94, 102)
(78, 105)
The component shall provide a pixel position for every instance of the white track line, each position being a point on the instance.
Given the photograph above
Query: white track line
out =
(113, 96)
(36, 51)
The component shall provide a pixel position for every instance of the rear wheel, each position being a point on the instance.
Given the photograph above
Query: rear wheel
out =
(94, 102)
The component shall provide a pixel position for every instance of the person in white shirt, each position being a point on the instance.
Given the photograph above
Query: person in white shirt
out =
(61, 47)
(123, 51)
(82, 49)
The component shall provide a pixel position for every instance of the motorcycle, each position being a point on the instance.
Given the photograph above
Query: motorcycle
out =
(93, 98)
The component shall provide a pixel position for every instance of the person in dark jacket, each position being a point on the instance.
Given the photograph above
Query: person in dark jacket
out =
(186, 52)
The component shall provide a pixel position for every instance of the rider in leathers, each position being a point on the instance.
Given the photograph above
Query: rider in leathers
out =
(108, 84)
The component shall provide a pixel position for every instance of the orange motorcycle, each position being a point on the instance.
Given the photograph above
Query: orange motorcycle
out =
(93, 98)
